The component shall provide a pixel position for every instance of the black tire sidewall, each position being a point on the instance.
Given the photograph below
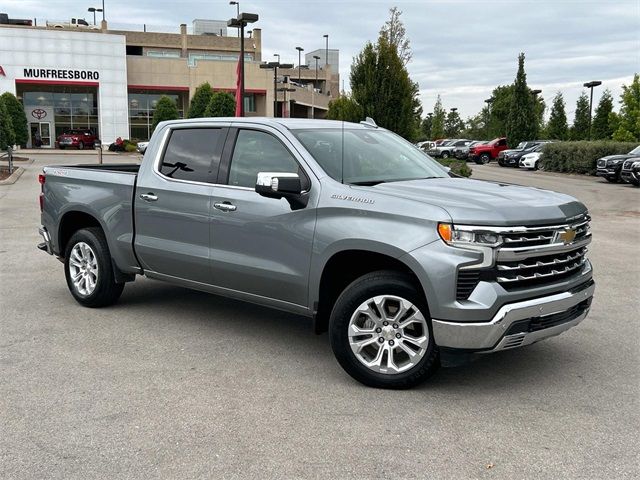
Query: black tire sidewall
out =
(484, 158)
(368, 286)
(105, 283)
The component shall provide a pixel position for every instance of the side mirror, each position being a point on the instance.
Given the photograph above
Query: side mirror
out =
(282, 185)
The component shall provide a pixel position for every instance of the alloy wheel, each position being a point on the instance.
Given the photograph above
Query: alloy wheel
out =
(83, 267)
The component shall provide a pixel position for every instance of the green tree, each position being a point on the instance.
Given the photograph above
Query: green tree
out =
(395, 34)
(475, 127)
(222, 104)
(200, 101)
(166, 109)
(580, 128)
(522, 123)
(453, 124)
(346, 109)
(557, 128)
(499, 111)
(628, 122)
(7, 135)
(539, 107)
(381, 85)
(439, 117)
(600, 129)
(18, 118)
(425, 126)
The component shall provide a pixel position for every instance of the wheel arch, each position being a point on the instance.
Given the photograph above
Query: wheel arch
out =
(343, 267)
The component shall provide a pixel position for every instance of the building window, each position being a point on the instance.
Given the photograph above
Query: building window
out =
(163, 54)
(249, 102)
(142, 104)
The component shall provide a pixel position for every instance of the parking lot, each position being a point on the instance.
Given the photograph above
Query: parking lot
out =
(173, 383)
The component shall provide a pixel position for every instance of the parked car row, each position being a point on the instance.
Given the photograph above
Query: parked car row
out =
(621, 168)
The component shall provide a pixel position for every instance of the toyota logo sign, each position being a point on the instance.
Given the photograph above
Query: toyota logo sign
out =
(38, 113)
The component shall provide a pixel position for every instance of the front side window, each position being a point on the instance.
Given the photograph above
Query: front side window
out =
(192, 154)
(367, 157)
(255, 152)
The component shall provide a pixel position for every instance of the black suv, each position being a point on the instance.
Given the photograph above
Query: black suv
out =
(610, 167)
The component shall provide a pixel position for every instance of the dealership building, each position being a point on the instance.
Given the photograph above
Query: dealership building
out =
(110, 80)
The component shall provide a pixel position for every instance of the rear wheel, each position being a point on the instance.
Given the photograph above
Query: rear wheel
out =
(89, 271)
(81, 146)
(445, 154)
(381, 333)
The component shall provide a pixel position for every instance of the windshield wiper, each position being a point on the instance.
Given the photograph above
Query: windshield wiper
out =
(368, 183)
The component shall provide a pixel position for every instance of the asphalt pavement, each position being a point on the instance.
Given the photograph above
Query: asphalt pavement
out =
(172, 383)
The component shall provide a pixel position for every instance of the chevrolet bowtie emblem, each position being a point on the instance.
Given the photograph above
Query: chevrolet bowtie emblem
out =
(567, 236)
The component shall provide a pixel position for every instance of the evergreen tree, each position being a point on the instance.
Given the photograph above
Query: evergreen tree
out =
(18, 118)
(200, 101)
(222, 104)
(539, 106)
(499, 111)
(521, 125)
(600, 129)
(346, 109)
(425, 126)
(475, 127)
(453, 124)
(628, 121)
(557, 128)
(7, 135)
(439, 117)
(166, 109)
(580, 129)
(394, 33)
(381, 85)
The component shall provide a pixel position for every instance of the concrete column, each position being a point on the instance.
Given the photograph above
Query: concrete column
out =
(183, 34)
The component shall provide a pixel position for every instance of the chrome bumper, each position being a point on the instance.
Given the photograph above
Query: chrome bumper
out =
(498, 334)
(45, 246)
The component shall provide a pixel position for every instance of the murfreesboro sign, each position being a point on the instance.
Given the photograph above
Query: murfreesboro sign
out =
(61, 74)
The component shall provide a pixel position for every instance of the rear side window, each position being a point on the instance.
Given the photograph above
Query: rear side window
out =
(192, 154)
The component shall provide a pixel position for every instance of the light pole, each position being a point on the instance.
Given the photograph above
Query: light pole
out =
(103, 10)
(326, 49)
(242, 21)
(277, 55)
(590, 85)
(274, 66)
(284, 108)
(94, 10)
(313, 91)
(237, 4)
(488, 101)
(300, 50)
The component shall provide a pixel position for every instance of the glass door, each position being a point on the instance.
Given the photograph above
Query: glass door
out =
(40, 134)
(45, 134)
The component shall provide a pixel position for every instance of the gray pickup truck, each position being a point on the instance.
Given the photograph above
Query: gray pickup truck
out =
(402, 262)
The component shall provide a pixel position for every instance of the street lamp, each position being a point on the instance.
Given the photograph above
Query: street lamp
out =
(277, 55)
(275, 66)
(326, 49)
(242, 21)
(94, 10)
(300, 50)
(285, 90)
(237, 4)
(488, 101)
(103, 10)
(535, 92)
(590, 85)
(313, 91)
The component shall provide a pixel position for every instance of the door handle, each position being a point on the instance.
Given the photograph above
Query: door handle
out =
(149, 197)
(225, 206)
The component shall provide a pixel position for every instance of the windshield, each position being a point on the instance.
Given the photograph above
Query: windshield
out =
(635, 151)
(370, 156)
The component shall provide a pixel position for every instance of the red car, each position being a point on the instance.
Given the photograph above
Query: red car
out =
(77, 137)
(486, 153)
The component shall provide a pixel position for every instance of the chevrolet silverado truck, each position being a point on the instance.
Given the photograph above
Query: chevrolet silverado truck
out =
(482, 154)
(402, 262)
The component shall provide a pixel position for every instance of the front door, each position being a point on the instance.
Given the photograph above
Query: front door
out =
(173, 204)
(261, 246)
(40, 134)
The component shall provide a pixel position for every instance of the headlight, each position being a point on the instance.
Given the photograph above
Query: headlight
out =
(462, 235)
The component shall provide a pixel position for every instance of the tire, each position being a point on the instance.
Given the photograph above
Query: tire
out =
(485, 158)
(89, 247)
(61, 147)
(445, 154)
(387, 288)
(81, 146)
(612, 180)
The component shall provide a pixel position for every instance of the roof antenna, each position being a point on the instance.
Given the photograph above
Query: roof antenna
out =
(369, 122)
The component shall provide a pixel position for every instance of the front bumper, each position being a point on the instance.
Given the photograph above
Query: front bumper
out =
(606, 172)
(518, 324)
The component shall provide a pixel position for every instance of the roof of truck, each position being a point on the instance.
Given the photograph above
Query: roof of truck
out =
(290, 123)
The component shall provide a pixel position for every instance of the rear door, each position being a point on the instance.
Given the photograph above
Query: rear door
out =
(261, 246)
(173, 203)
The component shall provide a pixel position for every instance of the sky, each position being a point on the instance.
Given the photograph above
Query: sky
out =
(462, 49)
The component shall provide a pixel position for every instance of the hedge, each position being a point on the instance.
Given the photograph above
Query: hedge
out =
(580, 157)
(458, 167)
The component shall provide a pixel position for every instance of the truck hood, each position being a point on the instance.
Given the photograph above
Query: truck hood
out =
(476, 202)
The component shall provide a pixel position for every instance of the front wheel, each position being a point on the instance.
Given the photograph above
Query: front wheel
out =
(381, 333)
(485, 158)
(445, 154)
(88, 269)
(81, 146)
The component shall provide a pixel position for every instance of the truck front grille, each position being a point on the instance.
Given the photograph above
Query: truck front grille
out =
(529, 237)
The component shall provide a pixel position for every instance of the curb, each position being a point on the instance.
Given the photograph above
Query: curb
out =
(14, 177)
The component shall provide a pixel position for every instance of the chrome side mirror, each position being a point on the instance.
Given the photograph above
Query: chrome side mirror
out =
(278, 183)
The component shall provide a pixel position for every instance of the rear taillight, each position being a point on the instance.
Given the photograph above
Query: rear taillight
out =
(41, 180)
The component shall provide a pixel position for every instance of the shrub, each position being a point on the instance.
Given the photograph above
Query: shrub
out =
(129, 147)
(18, 118)
(459, 167)
(580, 157)
(7, 134)
(166, 109)
(222, 104)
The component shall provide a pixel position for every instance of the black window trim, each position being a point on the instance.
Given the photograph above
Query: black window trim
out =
(227, 156)
(224, 132)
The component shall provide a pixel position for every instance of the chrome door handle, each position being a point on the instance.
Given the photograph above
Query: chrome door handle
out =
(225, 207)
(149, 197)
